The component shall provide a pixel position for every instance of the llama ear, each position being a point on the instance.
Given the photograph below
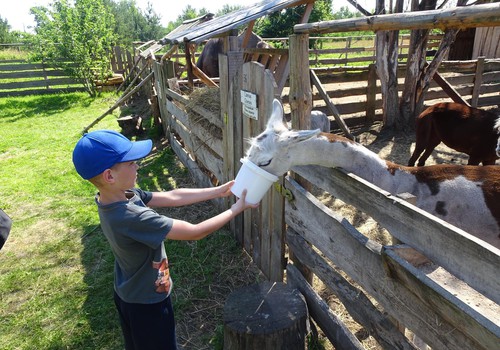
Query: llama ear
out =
(275, 121)
(301, 135)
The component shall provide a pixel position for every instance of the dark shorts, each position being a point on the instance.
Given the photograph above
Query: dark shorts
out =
(147, 326)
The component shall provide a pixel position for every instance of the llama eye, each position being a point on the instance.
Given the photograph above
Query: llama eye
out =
(262, 164)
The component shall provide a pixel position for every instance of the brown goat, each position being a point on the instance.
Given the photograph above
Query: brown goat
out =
(465, 129)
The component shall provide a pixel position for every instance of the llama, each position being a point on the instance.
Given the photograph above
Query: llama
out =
(497, 128)
(463, 128)
(461, 195)
(319, 120)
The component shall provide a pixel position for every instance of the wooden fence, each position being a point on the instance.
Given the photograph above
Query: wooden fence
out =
(348, 75)
(356, 90)
(21, 78)
(383, 283)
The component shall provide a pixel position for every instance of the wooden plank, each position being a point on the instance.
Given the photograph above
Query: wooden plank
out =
(235, 61)
(19, 65)
(33, 74)
(354, 299)
(426, 289)
(450, 90)
(38, 83)
(371, 93)
(122, 99)
(212, 118)
(336, 331)
(465, 254)
(199, 177)
(485, 15)
(330, 105)
(478, 81)
(208, 134)
(199, 152)
(361, 259)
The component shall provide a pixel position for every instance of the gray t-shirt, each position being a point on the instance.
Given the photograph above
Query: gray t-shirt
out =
(136, 233)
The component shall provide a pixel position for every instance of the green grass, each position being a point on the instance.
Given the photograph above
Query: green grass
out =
(56, 267)
(13, 54)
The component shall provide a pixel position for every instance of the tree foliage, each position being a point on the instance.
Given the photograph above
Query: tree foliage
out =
(132, 24)
(280, 24)
(4, 31)
(75, 38)
(189, 12)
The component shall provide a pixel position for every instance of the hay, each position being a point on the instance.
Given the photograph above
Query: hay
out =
(207, 98)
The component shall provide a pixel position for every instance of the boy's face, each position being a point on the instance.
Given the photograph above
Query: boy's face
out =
(125, 174)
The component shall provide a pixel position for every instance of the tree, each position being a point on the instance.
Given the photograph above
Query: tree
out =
(227, 9)
(77, 39)
(418, 72)
(4, 31)
(387, 65)
(280, 24)
(400, 113)
(132, 24)
(188, 13)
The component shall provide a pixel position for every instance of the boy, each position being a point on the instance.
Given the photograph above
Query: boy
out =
(135, 232)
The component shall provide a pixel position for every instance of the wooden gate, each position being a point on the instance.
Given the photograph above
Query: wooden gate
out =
(252, 89)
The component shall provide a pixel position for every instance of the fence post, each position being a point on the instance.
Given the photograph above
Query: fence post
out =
(478, 80)
(371, 93)
(300, 103)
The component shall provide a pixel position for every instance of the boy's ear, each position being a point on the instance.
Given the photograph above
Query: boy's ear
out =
(107, 175)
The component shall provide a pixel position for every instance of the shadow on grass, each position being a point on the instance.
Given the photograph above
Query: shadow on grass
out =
(14, 110)
(96, 257)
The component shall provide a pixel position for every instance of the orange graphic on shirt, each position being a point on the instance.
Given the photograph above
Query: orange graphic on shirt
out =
(163, 282)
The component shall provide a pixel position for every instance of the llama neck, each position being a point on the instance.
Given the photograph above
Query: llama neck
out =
(350, 156)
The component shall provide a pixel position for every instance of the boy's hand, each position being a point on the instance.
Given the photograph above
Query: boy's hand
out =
(241, 204)
(225, 189)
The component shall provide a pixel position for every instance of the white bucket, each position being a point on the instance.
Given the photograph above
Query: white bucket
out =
(254, 179)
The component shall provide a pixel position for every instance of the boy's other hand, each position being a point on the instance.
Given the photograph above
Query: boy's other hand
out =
(225, 189)
(241, 204)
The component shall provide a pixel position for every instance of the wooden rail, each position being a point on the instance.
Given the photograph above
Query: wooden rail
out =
(21, 78)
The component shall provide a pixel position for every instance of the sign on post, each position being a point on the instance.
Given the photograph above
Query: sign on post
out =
(249, 104)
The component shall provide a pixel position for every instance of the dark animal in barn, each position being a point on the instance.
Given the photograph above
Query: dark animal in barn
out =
(465, 196)
(463, 128)
(208, 61)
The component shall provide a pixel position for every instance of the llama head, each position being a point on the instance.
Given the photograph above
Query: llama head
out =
(273, 149)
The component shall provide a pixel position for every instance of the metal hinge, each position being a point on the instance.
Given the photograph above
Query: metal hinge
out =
(284, 191)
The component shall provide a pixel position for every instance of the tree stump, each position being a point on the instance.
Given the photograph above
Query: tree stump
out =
(131, 125)
(265, 316)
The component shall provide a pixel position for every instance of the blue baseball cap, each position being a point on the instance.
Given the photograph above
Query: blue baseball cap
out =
(100, 150)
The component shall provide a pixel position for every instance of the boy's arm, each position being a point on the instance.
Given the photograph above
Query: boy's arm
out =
(186, 196)
(183, 230)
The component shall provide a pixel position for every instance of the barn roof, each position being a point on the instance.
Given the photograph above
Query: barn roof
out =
(203, 30)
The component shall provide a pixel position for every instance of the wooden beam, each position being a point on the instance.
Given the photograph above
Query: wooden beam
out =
(450, 90)
(487, 15)
(118, 103)
(203, 77)
(330, 105)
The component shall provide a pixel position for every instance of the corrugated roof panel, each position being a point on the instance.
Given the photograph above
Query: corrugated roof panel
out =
(233, 20)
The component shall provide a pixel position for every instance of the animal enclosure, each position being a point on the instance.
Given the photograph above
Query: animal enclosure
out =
(440, 303)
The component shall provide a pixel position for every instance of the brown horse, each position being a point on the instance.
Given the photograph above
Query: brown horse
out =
(463, 128)
(208, 61)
